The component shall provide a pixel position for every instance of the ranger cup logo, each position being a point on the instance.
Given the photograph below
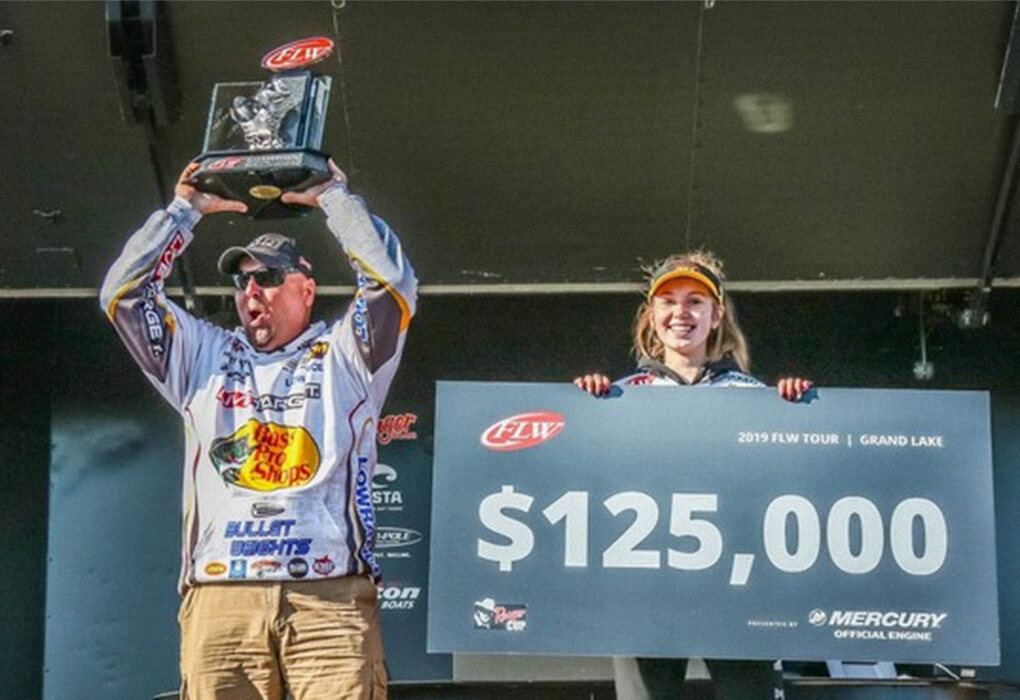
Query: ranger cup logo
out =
(523, 430)
(490, 615)
(266, 456)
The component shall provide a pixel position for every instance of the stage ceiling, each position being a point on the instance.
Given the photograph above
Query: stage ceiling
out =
(547, 146)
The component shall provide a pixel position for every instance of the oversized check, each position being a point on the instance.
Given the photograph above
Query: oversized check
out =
(724, 523)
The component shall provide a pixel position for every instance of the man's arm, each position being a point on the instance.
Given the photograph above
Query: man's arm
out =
(156, 331)
(374, 328)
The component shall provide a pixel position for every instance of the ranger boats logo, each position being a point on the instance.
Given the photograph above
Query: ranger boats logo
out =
(396, 427)
(395, 596)
(522, 431)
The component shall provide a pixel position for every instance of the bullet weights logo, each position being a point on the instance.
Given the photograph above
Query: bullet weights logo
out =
(490, 615)
(522, 431)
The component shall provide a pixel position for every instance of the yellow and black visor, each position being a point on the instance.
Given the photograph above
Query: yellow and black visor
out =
(690, 270)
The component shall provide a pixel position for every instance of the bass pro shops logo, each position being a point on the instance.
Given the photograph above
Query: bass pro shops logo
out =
(522, 431)
(266, 457)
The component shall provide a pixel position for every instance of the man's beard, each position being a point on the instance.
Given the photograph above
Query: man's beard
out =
(259, 337)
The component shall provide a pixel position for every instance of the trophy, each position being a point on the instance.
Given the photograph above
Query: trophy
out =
(264, 138)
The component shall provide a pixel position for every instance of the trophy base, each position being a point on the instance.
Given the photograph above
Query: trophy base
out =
(259, 178)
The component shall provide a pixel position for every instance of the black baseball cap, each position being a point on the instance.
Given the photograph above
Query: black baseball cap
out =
(270, 249)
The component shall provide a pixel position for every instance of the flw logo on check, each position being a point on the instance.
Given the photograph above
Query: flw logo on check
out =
(522, 431)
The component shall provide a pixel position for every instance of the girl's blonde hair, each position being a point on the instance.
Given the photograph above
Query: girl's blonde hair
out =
(725, 340)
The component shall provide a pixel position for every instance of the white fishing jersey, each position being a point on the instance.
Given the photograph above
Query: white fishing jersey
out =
(724, 372)
(280, 446)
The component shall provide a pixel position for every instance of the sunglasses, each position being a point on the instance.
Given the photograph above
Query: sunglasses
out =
(264, 277)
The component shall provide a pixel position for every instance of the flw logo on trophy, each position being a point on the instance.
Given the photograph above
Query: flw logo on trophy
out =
(298, 54)
(265, 138)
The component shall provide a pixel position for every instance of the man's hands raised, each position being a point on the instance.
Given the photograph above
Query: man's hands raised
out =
(310, 197)
(207, 203)
(204, 202)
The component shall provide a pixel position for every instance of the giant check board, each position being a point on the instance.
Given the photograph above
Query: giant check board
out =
(724, 523)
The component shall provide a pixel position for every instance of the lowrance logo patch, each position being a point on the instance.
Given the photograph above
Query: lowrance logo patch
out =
(522, 431)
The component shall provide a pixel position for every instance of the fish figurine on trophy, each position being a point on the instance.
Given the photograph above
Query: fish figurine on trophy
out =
(265, 138)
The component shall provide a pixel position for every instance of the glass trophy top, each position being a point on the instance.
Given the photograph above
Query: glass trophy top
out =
(287, 111)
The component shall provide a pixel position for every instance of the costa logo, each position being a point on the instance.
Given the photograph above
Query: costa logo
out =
(297, 54)
(522, 431)
(384, 476)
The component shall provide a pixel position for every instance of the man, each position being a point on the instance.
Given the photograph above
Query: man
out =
(278, 572)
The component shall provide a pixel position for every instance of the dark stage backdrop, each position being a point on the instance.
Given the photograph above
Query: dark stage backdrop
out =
(75, 406)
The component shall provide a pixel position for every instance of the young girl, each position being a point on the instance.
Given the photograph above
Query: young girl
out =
(686, 334)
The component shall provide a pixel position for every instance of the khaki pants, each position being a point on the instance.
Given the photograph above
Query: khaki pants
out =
(256, 641)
